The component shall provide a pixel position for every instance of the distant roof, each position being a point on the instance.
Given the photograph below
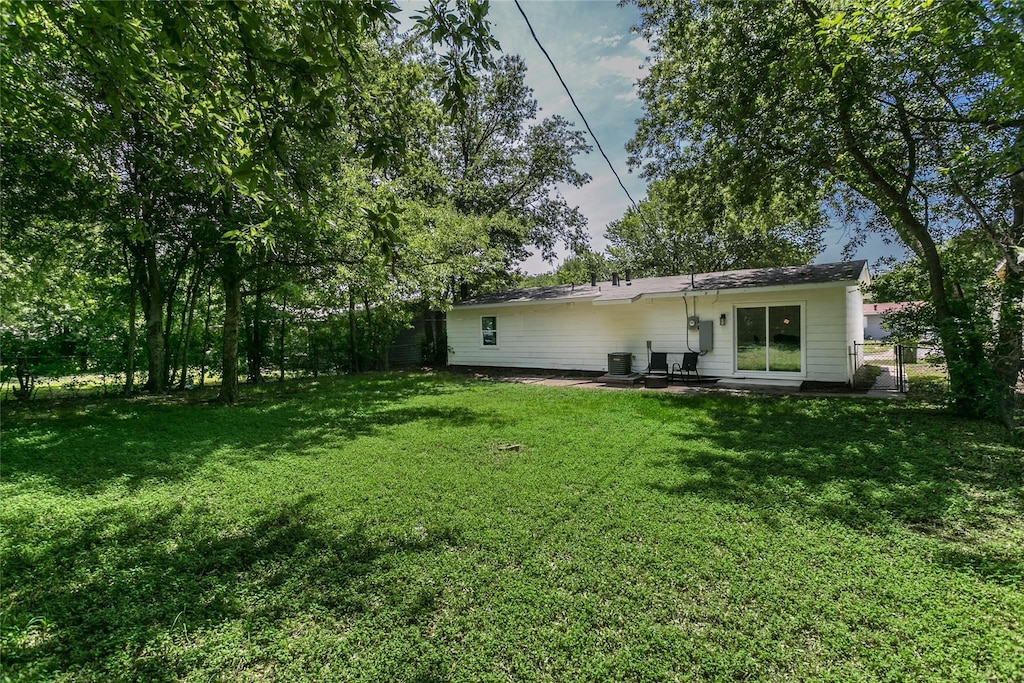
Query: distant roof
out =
(605, 292)
(880, 308)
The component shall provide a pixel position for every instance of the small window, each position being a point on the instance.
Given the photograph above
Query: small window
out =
(489, 329)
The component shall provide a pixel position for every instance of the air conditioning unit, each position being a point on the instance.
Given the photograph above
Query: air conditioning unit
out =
(620, 363)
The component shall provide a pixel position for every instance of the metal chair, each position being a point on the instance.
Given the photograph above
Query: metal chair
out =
(688, 365)
(657, 374)
(658, 364)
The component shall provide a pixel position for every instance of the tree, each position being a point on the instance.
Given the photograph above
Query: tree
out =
(215, 97)
(577, 269)
(687, 224)
(970, 261)
(494, 161)
(906, 111)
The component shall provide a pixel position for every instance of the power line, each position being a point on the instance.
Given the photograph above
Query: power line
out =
(578, 111)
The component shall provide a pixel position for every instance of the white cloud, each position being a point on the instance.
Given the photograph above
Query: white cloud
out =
(624, 67)
(641, 45)
(609, 41)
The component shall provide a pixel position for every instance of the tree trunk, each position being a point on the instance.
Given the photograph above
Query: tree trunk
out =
(152, 295)
(170, 356)
(171, 351)
(232, 281)
(353, 348)
(280, 355)
(255, 340)
(429, 348)
(144, 252)
(1010, 329)
(175, 355)
(206, 336)
(186, 342)
(129, 379)
(1008, 351)
(369, 340)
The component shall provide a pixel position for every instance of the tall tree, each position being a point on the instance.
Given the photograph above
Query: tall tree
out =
(220, 93)
(906, 110)
(495, 159)
(687, 224)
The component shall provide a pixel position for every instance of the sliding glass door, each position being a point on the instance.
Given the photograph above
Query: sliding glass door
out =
(768, 339)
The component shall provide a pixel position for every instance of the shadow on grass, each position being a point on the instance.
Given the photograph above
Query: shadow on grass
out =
(89, 446)
(862, 464)
(140, 592)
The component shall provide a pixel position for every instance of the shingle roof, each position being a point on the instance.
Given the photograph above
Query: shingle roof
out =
(604, 292)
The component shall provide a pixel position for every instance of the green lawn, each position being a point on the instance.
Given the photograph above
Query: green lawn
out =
(781, 358)
(380, 529)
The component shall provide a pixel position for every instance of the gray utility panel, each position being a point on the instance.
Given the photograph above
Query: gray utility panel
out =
(705, 333)
(707, 330)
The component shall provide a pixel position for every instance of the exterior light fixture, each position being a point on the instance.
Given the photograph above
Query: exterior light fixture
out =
(721, 319)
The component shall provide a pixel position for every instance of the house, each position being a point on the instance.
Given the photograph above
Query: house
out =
(791, 323)
(874, 315)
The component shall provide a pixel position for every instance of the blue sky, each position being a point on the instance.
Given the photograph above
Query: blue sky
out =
(601, 59)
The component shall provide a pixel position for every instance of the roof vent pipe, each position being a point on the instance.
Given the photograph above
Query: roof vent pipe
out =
(692, 285)
(615, 279)
(629, 276)
(593, 279)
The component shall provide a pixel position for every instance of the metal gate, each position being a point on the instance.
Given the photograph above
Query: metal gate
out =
(901, 364)
(900, 353)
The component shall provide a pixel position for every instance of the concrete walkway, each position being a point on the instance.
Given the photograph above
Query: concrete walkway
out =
(885, 385)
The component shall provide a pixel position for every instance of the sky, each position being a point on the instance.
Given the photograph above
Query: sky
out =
(601, 60)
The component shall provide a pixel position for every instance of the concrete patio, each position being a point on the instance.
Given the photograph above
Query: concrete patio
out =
(883, 387)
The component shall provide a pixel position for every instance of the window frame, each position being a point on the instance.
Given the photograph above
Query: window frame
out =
(483, 331)
(802, 372)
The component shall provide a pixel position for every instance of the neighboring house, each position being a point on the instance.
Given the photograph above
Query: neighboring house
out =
(874, 315)
(793, 323)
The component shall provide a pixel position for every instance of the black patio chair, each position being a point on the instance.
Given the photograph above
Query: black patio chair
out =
(657, 374)
(689, 365)
(658, 364)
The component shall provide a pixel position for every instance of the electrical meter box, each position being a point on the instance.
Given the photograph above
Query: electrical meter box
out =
(692, 323)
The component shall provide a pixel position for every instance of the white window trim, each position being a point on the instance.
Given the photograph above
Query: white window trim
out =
(497, 333)
(779, 374)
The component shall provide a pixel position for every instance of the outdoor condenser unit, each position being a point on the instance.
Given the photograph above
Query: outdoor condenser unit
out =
(619, 363)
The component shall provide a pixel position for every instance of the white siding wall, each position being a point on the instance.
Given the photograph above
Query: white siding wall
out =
(579, 335)
(873, 327)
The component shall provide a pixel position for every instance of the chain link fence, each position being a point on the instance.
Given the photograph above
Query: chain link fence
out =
(907, 368)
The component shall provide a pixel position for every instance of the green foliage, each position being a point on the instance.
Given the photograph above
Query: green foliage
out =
(496, 160)
(907, 111)
(375, 529)
(689, 223)
(969, 259)
(247, 144)
(576, 269)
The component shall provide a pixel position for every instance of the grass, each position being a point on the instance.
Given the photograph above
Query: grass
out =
(428, 528)
(866, 376)
(781, 358)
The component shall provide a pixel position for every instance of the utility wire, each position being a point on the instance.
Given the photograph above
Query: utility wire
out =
(578, 111)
